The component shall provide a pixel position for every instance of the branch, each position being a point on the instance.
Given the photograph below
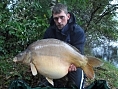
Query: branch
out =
(107, 12)
(92, 15)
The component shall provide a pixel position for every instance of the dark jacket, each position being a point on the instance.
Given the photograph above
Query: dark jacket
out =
(71, 33)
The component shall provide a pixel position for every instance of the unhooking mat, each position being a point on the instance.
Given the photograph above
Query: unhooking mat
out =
(20, 84)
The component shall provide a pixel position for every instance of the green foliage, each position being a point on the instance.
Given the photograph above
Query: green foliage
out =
(4, 18)
(26, 21)
(24, 24)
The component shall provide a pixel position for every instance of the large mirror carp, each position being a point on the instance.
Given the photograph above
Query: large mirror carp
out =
(52, 58)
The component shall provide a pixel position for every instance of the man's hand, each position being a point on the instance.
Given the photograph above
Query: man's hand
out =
(72, 68)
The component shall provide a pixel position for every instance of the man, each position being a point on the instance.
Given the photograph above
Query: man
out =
(63, 27)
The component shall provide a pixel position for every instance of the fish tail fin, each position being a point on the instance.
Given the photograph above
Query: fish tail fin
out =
(95, 62)
(88, 70)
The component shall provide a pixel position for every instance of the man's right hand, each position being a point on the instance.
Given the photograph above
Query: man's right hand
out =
(72, 68)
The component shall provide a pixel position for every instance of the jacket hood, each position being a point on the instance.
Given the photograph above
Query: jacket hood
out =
(71, 20)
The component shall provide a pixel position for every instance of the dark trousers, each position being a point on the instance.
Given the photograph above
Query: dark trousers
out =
(74, 77)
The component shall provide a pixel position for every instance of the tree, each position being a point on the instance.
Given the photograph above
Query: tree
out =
(22, 23)
(95, 17)
(26, 20)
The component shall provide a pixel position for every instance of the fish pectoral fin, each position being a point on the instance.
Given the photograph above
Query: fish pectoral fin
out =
(33, 69)
(88, 70)
(50, 81)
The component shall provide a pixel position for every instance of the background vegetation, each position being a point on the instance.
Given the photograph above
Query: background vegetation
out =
(24, 21)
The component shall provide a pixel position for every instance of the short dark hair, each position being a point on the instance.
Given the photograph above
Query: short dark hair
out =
(58, 8)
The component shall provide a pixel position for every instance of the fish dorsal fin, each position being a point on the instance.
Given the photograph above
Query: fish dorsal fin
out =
(33, 69)
(95, 62)
(50, 81)
(88, 70)
(74, 47)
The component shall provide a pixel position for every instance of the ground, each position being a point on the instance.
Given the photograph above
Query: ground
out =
(10, 71)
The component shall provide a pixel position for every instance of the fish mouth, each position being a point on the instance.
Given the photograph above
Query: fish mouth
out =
(15, 59)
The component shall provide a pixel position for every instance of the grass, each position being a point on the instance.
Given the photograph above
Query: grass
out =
(10, 71)
(107, 72)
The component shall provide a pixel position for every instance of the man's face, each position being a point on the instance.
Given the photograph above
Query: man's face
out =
(61, 19)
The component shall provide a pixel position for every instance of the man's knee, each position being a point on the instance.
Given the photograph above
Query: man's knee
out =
(78, 77)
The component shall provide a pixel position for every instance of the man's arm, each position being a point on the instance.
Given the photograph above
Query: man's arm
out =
(78, 40)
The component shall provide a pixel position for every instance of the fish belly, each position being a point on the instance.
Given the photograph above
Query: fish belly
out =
(51, 67)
